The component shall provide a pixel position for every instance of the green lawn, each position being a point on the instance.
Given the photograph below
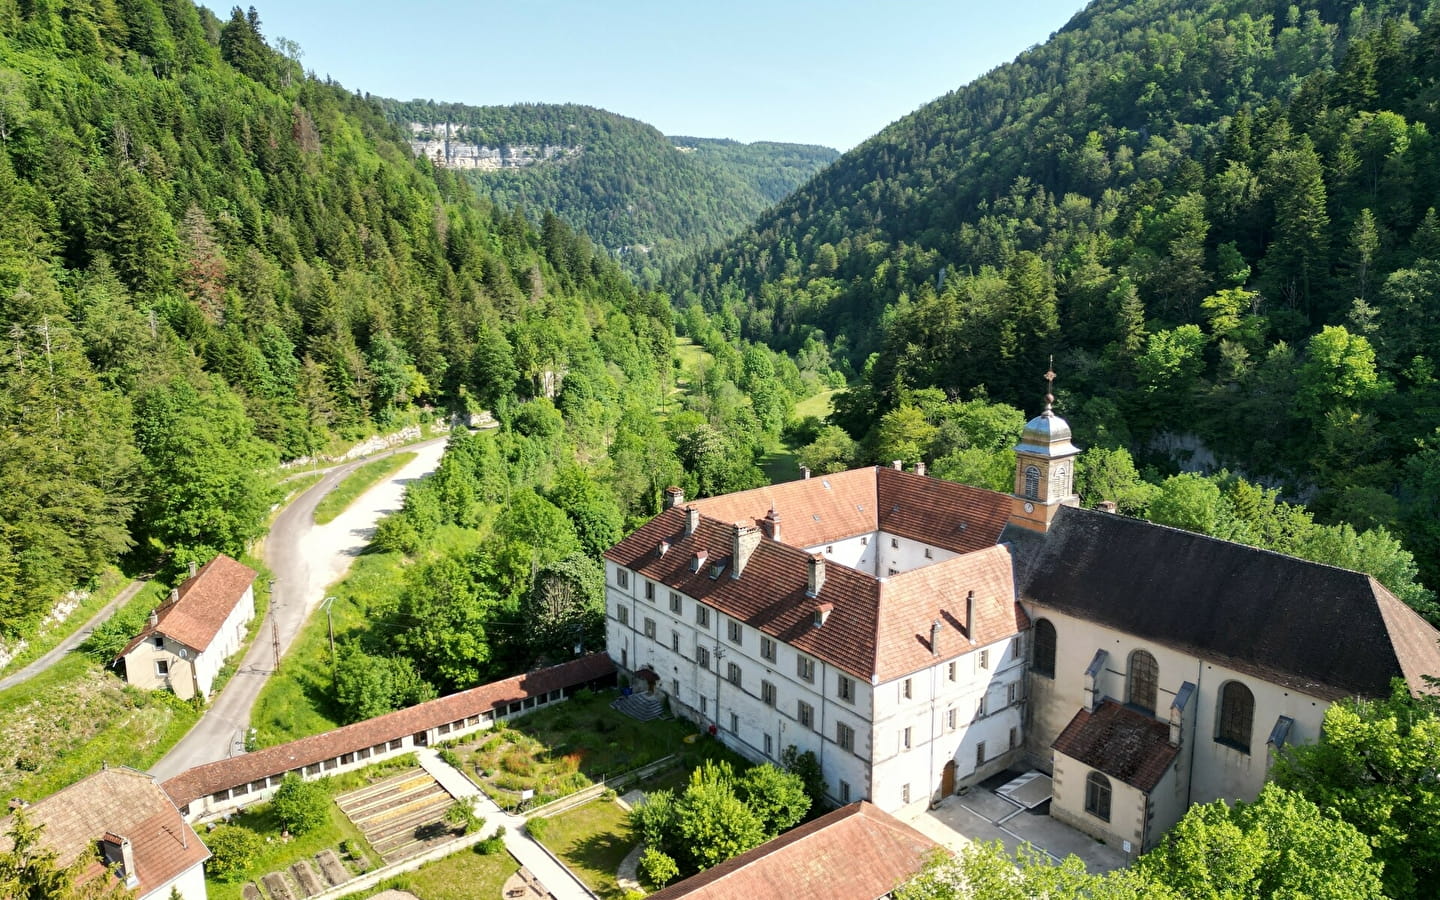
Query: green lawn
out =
(279, 854)
(819, 405)
(592, 840)
(111, 582)
(297, 701)
(357, 483)
(460, 876)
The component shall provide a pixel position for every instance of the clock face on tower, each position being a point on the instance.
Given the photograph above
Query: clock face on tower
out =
(1029, 507)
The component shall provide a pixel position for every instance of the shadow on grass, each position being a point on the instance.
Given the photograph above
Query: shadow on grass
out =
(600, 854)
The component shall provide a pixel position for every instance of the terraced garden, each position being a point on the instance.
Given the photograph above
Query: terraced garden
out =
(400, 816)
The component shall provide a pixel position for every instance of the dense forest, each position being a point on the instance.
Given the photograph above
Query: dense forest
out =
(634, 191)
(1218, 217)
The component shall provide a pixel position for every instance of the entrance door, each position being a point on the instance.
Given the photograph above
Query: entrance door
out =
(421, 739)
(947, 779)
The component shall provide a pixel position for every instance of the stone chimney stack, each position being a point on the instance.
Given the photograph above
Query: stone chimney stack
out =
(935, 627)
(154, 618)
(192, 568)
(771, 524)
(897, 464)
(920, 469)
(1107, 506)
(674, 497)
(970, 616)
(743, 542)
(692, 519)
(816, 579)
(805, 473)
(174, 595)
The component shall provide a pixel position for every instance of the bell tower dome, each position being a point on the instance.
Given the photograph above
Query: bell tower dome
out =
(1044, 468)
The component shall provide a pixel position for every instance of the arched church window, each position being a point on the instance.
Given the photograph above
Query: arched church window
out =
(1237, 712)
(1044, 663)
(1097, 796)
(1032, 482)
(1144, 679)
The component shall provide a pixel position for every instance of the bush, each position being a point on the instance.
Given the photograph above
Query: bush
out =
(537, 828)
(301, 805)
(658, 868)
(450, 758)
(233, 850)
(462, 815)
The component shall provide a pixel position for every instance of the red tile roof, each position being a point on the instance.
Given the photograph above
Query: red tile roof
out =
(125, 803)
(857, 852)
(955, 516)
(877, 626)
(1119, 742)
(211, 778)
(205, 601)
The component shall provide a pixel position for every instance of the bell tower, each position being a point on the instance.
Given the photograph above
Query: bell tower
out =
(1044, 467)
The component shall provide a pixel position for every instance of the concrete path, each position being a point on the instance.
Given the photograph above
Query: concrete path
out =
(75, 639)
(305, 559)
(557, 879)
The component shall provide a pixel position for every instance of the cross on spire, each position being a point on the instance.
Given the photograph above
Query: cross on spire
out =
(1050, 384)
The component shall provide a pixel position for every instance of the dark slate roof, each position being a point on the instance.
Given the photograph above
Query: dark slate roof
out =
(1325, 631)
(1121, 743)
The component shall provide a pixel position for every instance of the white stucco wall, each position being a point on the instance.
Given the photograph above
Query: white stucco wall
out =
(225, 643)
(881, 553)
(1214, 770)
(190, 884)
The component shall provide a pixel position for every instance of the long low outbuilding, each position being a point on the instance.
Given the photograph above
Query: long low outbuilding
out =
(223, 786)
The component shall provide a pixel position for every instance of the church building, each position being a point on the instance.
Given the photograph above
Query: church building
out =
(920, 635)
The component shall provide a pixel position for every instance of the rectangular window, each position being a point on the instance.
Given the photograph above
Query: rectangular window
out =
(622, 577)
(734, 631)
(905, 793)
(829, 549)
(1012, 693)
(844, 792)
(805, 713)
(675, 603)
(845, 736)
(650, 590)
(950, 671)
(846, 689)
(950, 718)
(767, 693)
(767, 649)
(159, 641)
(732, 674)
(929, 554)
(650, 628)
(895, 543)
(905, 739)
(979, 754)
(907, 690)
(623, 614)
(702, 615)
(162, 667)
(985, 659)
(893, 572)
(702, 657)
(675, 687)
(769, 745)
(675, 641)
(734, 724)
(704, 703)
(982, 708)
(1014, 738)
(805, 668)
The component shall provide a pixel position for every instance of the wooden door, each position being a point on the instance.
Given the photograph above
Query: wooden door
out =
(947, 779)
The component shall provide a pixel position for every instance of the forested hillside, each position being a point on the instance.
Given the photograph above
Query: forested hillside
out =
(210, 262)
(629, 187)
(1219, 217)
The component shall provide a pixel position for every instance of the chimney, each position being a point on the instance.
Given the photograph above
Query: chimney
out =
(692, 519)
(119, 856)
(192, 568)
(743, 542)
(698, 562)
(805, 473)
(674, 497)
(663, 549)
(970, 616)
(935, 627)
(920, 469)
(897, 464)
(1106, 506)
(154, 618)
(822, 612)
(816, 579)
(174, 595)
(771, 524)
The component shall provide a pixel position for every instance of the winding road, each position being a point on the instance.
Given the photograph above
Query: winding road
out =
(305, 560)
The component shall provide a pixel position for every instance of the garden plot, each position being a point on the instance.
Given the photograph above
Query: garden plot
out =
(401, 816)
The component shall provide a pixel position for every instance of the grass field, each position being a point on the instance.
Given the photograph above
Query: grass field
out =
(357, 483)
(297, 701)
(819, 405)
(592, 840)
(111, 582)
(279, 854)
(459, 876)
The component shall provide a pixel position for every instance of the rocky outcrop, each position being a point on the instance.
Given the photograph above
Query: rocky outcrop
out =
(438, 144)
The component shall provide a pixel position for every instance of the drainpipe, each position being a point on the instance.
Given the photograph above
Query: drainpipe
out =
(1194, 738)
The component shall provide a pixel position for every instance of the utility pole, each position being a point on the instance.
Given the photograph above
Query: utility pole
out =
(274, 626)
(329, 604)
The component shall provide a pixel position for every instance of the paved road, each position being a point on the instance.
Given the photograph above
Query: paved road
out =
(305, 559)
(74, 640)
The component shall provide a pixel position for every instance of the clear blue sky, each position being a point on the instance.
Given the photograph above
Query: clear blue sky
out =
(828, 72)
